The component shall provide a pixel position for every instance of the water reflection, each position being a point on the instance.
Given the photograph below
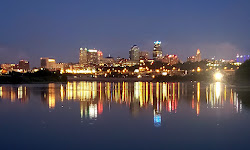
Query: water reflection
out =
(161, 98)
(17, 93)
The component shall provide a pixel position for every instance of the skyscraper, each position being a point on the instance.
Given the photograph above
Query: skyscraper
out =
(83, 56)
(92, 56)
(24, 64)
(157, 52)
(134, 53)
(89, 56)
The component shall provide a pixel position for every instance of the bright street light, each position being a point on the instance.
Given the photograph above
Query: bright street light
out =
(218, 76)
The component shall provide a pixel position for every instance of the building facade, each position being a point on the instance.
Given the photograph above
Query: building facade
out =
(144, 55)
(24, 64)
(171, 59)
(89, 56)
(92, 56)
(191, 59)
(134, 53)
(48, 63)
(83, 56)
(198, 55)
(196, 58)
(157, 52)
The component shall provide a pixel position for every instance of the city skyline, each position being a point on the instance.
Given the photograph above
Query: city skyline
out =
(124, 74)
(29, 31)
(83, 58)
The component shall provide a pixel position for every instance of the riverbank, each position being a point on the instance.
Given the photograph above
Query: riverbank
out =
(43, 76)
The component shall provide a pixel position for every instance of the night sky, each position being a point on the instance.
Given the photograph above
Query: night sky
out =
(30, 29)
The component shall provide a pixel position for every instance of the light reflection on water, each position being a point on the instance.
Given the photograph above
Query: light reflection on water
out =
(162, 97)
(124, 115)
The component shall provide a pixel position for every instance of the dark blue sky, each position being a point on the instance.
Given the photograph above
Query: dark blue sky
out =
(30, 29)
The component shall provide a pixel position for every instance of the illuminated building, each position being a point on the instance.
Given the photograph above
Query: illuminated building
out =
(99, 55)
(107, 61)
(191, 59)
(89, 56)
(83, 56)
(144, 55)
(242, 58)
(157, 52)
(130, 63)
(134, 53)
(195, 58)
(198, 55)
(48, 63)
(171, 59)
(8, 67)
(24, 64)
(44, 62)
(92, 56)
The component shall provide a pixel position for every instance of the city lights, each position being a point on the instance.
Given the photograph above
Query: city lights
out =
(129, 75)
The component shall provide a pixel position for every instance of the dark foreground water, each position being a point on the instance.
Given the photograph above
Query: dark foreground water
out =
(125, 115)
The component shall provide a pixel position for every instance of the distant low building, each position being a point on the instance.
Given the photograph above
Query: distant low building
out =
(130, 63)
(191, 59)
(6, 68)
(171, 59)
(242, 58)
(108, 61)
(144, 55)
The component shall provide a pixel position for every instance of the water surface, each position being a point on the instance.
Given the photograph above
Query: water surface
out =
(124, 115)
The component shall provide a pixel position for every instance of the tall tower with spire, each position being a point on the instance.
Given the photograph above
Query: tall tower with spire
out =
(198, 55)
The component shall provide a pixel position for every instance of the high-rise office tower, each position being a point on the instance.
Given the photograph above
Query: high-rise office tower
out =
(157, 52)
(198, 55)
(92, 56)
(24, 64)
(89, 56)
(48, 63)
(134, 53)
(44, 62)
(83, 56)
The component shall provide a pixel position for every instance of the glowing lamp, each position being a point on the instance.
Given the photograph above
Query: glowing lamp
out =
(218, 76)
(164, 73)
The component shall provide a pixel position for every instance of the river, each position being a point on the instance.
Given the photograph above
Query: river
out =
(124, 115)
